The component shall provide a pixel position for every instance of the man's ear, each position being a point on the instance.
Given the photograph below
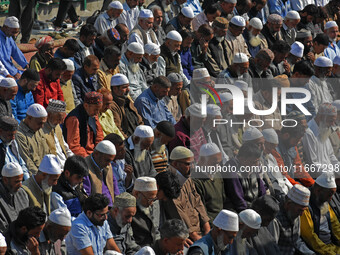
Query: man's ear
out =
(23, 230)
(89, 214)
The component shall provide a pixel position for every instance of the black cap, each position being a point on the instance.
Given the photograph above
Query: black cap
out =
(167, 128)
(8, 123)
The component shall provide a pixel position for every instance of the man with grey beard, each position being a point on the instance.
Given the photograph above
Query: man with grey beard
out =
(316, 144)
(119, 219)
(139, 157)
(129, 66)
(253, 37)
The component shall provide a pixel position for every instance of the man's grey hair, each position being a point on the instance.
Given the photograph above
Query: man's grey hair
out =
(155, 8)
(174, 228)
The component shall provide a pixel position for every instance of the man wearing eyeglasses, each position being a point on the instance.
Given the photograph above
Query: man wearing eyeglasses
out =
(145, 223)
(90, 232)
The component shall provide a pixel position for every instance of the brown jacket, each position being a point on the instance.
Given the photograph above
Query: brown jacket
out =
(117, 107)
(49, 135)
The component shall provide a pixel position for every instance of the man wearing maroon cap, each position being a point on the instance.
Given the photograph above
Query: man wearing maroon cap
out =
(82, 130)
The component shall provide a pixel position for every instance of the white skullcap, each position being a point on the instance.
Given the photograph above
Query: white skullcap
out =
(36, 111)
(174, 35)
(152, 49)
(136, 48)
(336, 103)
(323, 62)
(115, 5)
(200, 73)
(175, 77)
(256, 23)
(8, 83)
(227, 220)
(119, 79)
(297, 49)
(146, 250)
(181, 152)
(145, 14)
(188, 12)
(226, 97)
(2, 241)
(112, 252)
(213, 110)
(326, 180)
(106, 147)
(251, 134)
(270, 136)
(11, 169)
(69, 64)
(145, 184)
(251, 218)
(12, 22)
(194, 110)
(299, 194)
(240, 58)
(336, 61)
(238, 21)
(293, 15)
(143, 131)
(50, 165)
(61, 217)
(209, 149)
(330, 24)
(242, 85)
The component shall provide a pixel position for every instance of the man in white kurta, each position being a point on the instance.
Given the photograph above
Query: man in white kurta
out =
(109, 19)
(130, 14)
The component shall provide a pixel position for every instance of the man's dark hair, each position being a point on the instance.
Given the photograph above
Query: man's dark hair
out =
(89, 60)
(174, 228)
(88, 30)
(169, 183)
(294, 132)
(76, 165)
(249, 150)
(267, 205)
(72, 45)
(111, 51)
(95, 202)
(281, 46)
(311, 9)
(119, 27)
(30, 217)
(30, 74)
(321, 39)
(304, 67)
(205, 30)
(162, 81)
(211, 9)
(56, 64)
(185, 33)
(114, 138)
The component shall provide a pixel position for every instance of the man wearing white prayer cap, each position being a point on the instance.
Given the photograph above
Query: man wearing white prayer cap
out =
(235, 40)
(57, 226)
(286, 225)
(142, 32)
(153, 65)
(296, 53)
(100, 178)
(271, 30)
(13, 196)
(171, 100)
(288, 29)
(31, 139)
(319, 218)
(224, 230)
(189, 131)
(332, 31)
(138, 145)
(39, 186)
(253, 135)
(129, 66)
(318, 84)
(181, 21)
(189, 204)
(109, 19)
(255, 41)
(145, 191)
(8, 91)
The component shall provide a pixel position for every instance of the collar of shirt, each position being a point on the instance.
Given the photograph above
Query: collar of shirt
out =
(285, 27)
(130, 142)
(106, 16)
(81, 44)
(314, 127)
(152, 95)
(25, 128)
(37, 183)
(86, 220)
(181, 178)
(94, 162)
(2, 34)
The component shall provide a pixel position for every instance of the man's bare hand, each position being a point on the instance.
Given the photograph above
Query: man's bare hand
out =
(33, 245)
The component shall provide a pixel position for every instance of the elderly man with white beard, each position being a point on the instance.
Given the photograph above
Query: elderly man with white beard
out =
(119, 219)
(317, 147)
(164, 133)
(288, 29)
(253, 37)
(318, 86)
(332, 31)
(129, 66)
(219, 239)
(153, 65)
(138, 145)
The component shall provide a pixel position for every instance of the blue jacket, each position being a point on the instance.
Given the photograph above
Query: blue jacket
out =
(83, 84)
(206, 244)
(20, 104)
(186, 60)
